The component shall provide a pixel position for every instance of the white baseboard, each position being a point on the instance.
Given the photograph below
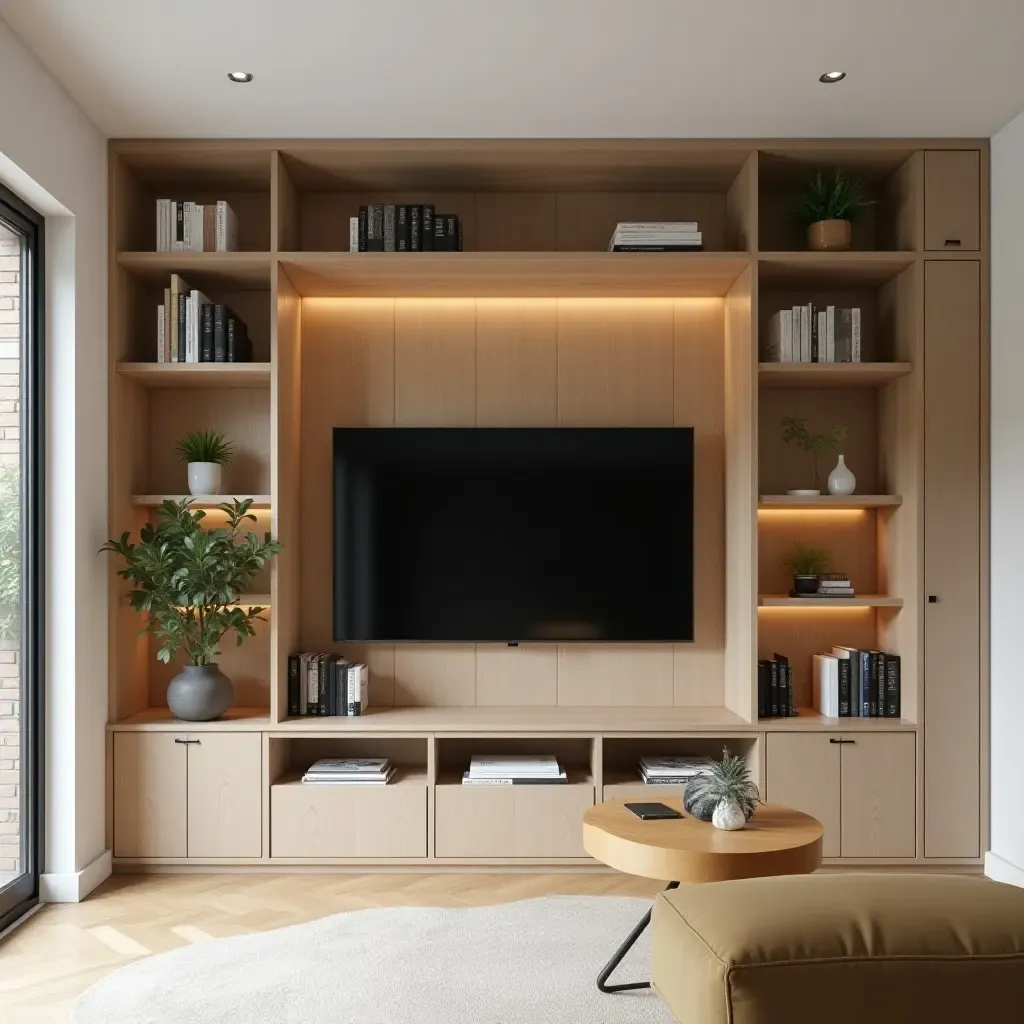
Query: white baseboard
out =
(1001, 870)
(74, 886)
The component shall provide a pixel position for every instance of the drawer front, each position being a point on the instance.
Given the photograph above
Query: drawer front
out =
(348, 821)
(511, 821)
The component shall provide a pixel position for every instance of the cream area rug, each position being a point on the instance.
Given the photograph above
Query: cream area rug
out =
(532, 962)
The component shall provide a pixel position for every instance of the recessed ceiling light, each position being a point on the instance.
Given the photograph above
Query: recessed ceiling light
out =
(832, 76)
(241, 77)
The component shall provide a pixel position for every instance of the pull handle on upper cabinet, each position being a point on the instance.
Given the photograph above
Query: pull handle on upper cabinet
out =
(952, 241)
(933, 599)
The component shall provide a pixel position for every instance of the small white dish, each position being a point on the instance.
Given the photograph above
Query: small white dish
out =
(804, 494)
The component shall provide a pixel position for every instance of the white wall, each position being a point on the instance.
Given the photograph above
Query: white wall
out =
(55, 158)
(1006, 858)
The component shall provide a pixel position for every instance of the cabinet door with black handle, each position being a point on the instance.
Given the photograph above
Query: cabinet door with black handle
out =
(952, 200)
(803, 773)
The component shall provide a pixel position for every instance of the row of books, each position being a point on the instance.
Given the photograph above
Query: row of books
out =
(513, 770)
(775, 688)
(832, 584)
(854, 683)
(656, 236)
(326, 684)
(388, 227)
(192, 329)
(195, 227)
(662, 771)
(350, 771)
(813, 334)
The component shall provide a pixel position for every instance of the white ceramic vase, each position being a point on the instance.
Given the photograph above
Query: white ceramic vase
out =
(204, 477)
(841, 480)
(728, 815)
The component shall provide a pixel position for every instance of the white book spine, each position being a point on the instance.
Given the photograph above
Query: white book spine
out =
(855, 343)
(787, 335)
(222, 227)
(197, 229)
(161, 337)
(163, 224)
(822, 343)
(353, 234)
(830, 334)
(364, 688)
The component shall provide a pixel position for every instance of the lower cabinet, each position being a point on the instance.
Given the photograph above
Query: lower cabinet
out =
(182, 795)
(510, 821)
(861, 787)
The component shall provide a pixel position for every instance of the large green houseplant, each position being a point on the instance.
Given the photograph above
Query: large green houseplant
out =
(188, 580)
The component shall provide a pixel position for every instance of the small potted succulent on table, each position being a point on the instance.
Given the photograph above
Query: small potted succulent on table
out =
(807, 563)
(206, 453)
(827, 209)
(189, 581)
(725, 794)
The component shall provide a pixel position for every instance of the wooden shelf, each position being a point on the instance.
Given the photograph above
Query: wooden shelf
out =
(241, 270)
(513, 274)
(848, 269)
(574, 776)
(259, 501)
(861, 601)
(161, 720)
(809, 719)
(198, 375)
(404, 776)
(830, 375)
(830, 501)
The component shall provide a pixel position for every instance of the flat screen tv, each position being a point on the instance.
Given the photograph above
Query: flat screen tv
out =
(509, 535)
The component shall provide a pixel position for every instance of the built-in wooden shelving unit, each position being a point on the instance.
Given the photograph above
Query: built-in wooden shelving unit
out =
(536, 324)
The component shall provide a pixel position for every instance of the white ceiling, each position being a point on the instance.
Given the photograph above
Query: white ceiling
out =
(533, 68)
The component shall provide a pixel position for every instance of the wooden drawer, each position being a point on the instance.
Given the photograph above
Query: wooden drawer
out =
(350, 821)
(641, 791)
(511, 821)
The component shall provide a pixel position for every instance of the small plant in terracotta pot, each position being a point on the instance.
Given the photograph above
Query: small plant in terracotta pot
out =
(807, 563)
(827, 209)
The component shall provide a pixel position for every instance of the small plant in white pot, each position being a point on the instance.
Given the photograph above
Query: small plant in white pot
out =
(206, 452)
(724, 794)
(795, 432)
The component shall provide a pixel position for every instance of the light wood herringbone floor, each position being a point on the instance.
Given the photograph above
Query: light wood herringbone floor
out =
(64, 949)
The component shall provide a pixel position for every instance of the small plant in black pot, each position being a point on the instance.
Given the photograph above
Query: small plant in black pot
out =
(807, 563)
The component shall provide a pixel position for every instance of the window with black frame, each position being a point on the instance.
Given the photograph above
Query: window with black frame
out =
(21, 483)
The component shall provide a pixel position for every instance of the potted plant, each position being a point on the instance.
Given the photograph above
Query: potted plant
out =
(724, 794)
(807, 563)
(796, 433)
(188, 581)
(828, 207)
(206, 453)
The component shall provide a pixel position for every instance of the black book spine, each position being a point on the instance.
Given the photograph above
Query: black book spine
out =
(790, 696)
(389, 227)
(206, 354)
(350, 689)
(375, 228)
(428, 228)
(402, 229)
(876, 696)
(179, 227)
(321, 675)
(453, 233)
(363, 212)
(844, 687)
(762, 689)
(332, 667)
(783, 690)
(233, 337)
(440, 234)
(773, 689)
(182, 325)
(311, 690)
(892, 686)
(339, 684)
(220, 335)
(293, 685)
(865, 683)
(415, 228)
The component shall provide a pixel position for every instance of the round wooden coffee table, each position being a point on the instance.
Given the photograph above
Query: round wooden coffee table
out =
(776, 841)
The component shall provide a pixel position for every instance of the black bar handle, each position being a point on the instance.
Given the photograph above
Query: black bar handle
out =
(832, 739)
(176, 740)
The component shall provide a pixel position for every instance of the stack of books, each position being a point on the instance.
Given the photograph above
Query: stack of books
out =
(351, 771)
(326, 684)
(192, 329)
(388, 227)
(813, 334)
(195, 227)
(656, 236)
(775, 688)
(664, 771)
(854, 683)
(830, 584)
(513, 770)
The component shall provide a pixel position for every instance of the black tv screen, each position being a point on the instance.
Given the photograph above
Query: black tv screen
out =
(518, 534)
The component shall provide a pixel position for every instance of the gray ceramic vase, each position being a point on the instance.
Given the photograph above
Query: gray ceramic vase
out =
(200, 693)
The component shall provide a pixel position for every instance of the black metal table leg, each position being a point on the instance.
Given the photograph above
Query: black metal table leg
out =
(602, 978)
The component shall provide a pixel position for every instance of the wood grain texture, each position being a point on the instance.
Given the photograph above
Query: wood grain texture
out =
(879, 804)
(613, 675)
(435, 675)
(776, 841)
(952, 562)
(741, 207)
(225, 795)
(284, 214)
(516, 363)
(615, 363)
(952, 200)
(435, 363)
(516, 221)
(803, 773)
(522, 676)
(150, 795)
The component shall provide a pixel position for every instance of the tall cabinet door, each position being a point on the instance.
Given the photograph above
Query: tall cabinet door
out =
(803, 773)
(149, 794)
(952, 534)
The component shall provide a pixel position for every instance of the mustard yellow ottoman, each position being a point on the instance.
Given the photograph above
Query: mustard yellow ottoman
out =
(841, 949)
